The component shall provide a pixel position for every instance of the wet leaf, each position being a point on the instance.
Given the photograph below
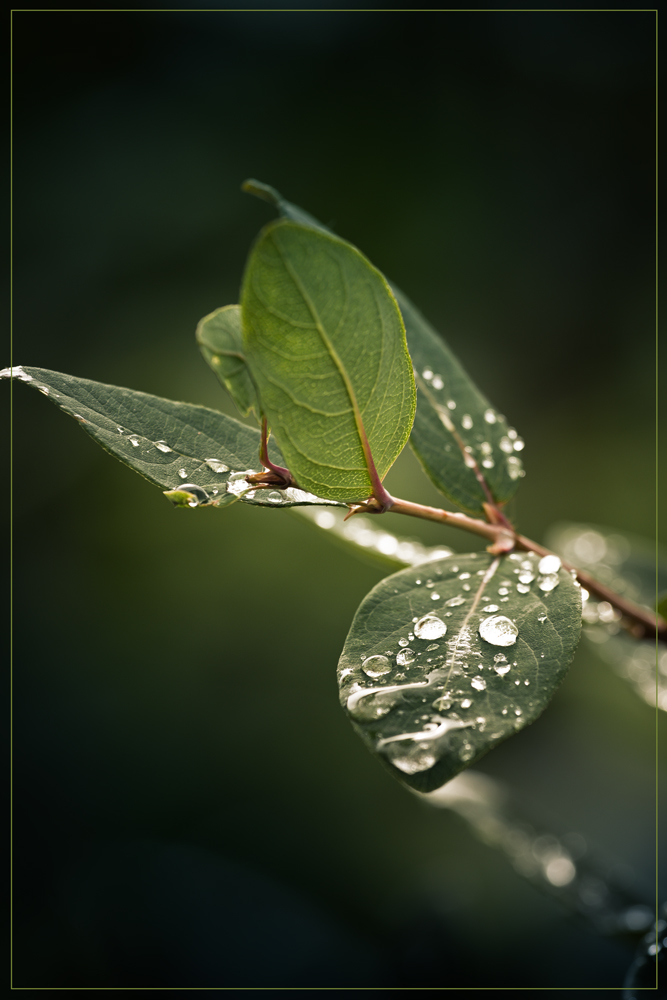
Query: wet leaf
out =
(464, 445)
(176, 446)
(220, 340)
(326, 346)
(429, 701)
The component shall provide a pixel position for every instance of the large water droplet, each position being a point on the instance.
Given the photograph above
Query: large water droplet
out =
(274, 497)
(454, 602)
(491, 607)
(549, 564)
(478, 683)
(430, 627)
(200, 495)
(414, 764)
(162, 446)
(406, 657)
(376, 666)
(519, 444)
(498, 630)
(215, 465)
(547, 583)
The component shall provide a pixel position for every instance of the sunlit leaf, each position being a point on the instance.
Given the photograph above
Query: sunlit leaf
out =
(446, 660)
(220, 340)
(464, 445)
(176, 446)
(326, 346)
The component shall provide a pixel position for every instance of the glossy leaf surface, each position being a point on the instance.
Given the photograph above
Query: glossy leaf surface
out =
(444, 661)
(325, 342)
(176, 446)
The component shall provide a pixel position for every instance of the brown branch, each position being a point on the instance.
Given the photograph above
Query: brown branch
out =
(639, 622)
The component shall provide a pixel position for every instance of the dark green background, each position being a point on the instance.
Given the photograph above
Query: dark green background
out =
(191, 806)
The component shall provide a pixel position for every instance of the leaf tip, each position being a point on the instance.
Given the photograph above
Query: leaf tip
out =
(260, 190)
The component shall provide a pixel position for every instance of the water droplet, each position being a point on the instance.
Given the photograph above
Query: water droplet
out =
(466, 586)
(418, 583)
(182, 473)
(527, 683)
(547, 583)
(504, 712)
(541, 618)
(522, 588)
(435, 597)
(411, 636)
(403, 642)
(526, 576)
(466, 703)
(437, 382)
(120, 430)
(274, 497)
(134, 440)
(478, 683)
(414, 764)
(454, 602)
(376, 666)
(451, 404)
(517, 711)
(466, 422)
(502, 668)
(514, 467)
(200, 495)
(162, 446)
(215, 465)
(433, 646)
(549, 564)
(519, 444)
(488, 463)
(406, 657)
(464, 576)
(512, 434)
(466, 753)
(430, 627)
(506, 445)
(491, 607)
(454, 569)
(503, 591)
(325, 519)
(490, 416)
(443, 703)
(427, 374)
(498, 630)
(43, 389)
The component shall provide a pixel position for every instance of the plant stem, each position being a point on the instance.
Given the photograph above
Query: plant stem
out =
(640, 622)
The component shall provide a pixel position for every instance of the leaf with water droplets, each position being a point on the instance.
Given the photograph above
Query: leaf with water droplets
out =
(464, 445)
(220, 340)
(325, 342)
(176, 446)
(430, 713)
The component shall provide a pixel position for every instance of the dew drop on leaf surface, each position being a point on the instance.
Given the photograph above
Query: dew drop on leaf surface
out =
(406, 657)
(430, 627)
(376, 666)
(498, 630)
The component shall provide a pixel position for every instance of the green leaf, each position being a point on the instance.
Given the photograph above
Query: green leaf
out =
(176, 446)
(452, 414)
(220, 340)
(464, 445)
(326, 346)
(431, 702)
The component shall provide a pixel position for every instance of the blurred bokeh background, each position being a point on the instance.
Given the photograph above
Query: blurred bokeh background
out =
(191, 806)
